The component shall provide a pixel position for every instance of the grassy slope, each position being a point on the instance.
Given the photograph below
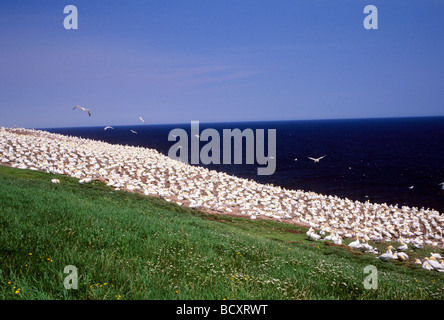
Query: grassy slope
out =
(128, 246)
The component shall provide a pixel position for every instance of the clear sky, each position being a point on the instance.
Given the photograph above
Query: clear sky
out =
(218, 60)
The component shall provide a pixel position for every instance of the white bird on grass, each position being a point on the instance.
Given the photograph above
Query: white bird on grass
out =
(365, 246)
(83, 109)
(435, 264)
(436, 255)
(402, 247)
(426, 264)
(316, 159)
(402, 256)
(337, 239)
(387, 256)
(355, 244)
(312, 235)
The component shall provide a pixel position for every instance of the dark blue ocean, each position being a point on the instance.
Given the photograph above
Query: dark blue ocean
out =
(366, 159)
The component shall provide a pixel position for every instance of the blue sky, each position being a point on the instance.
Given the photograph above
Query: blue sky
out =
(243, 60)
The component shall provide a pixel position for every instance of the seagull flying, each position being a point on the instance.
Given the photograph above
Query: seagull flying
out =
(133, 131)
(108, 127)
(83, 109)
(316, 159)
(140, 118)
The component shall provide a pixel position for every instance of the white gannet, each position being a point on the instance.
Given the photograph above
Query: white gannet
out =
(436, 255)
(402, 247)
(108, 127)
(387, 256)
(140, 118)
(402, 256)
(83, 109)
(435, 264)
(316, 159)
(426, 264)
(309, 231)
(135, 132)
(312, 235)
(337, 239)
(355, 244)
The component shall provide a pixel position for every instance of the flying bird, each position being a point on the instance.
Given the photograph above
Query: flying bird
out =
(108, 127)
(133, 131)
(83, 109)
(316, 159)
(140, 118)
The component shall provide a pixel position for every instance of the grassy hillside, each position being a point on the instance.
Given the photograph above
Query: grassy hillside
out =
(129, 246)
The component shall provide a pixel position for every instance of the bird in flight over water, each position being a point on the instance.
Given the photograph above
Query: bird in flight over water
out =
(316, 159)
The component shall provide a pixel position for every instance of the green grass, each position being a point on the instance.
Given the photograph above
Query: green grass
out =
(129, 246)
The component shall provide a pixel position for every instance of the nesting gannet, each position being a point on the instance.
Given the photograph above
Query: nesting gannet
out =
(312, 235)
(83, 109)
(435, 264)
(402, 256)
(387, 256)
(402, 247)
(355, 244)
(436, 255)
(426, 264)
(337, 239)
(316, 159)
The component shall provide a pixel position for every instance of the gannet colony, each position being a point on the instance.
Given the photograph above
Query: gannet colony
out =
(149, 172)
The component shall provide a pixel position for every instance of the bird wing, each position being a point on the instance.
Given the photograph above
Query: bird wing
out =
(89, 112)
